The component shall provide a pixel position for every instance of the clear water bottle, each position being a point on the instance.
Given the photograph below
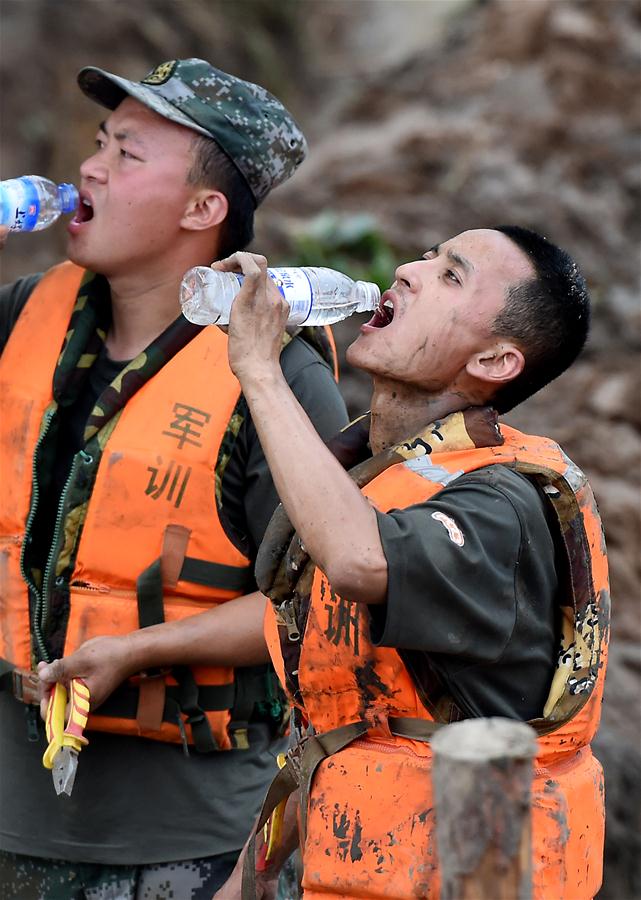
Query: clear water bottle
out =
(316, 296)
(32, 203)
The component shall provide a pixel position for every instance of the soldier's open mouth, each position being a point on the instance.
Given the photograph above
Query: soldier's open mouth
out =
(84, 213)
(383, 314)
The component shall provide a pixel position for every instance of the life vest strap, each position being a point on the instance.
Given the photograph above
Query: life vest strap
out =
(149, 594)
(414, 729)
(22, 683)
(172, 566)
(240, 697)
(123, 703)
(151, 701)
(301, 762)
(150, 583)
(191, 704)
(246, 696)
(216, 575)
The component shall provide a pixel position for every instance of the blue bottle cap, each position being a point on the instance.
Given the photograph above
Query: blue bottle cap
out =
(68, 196)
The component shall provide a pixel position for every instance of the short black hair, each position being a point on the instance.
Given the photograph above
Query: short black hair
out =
(214, 169)
(548, 315)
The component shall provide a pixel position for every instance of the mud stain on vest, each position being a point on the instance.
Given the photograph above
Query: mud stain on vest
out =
(114, 458)
(341, 827)
(557, 812)
(21, 461)
(380, 857)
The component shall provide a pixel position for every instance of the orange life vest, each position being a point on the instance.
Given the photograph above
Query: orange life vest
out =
(151, 535)
(369, 816)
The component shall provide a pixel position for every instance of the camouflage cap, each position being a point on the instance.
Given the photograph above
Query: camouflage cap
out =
(246, 121)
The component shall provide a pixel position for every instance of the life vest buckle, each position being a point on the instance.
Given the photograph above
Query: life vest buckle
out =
(294, 757)
(25, 686)
(195, 718)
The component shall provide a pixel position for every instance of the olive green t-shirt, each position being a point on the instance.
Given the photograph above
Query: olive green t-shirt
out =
(473, 592)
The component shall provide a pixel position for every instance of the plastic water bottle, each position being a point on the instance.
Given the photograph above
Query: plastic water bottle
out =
(316, 296)
(32, 203)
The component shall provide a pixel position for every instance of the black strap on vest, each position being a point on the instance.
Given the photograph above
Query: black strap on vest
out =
(189, 699)
(190, 704)
(123, 703)
(228, 578)
(240, 712)
(249, 688)
(149, 594)
(149, 585)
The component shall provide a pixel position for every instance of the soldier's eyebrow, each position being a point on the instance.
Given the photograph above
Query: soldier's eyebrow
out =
(122, 135)
(464, 263)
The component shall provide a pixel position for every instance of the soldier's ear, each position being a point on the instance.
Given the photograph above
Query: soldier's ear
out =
(497, 364)
(205, 209)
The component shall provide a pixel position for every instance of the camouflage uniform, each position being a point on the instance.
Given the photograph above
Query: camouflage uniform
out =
(29, 878)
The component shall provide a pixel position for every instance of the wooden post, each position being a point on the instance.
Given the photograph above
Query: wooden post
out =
(482, 779)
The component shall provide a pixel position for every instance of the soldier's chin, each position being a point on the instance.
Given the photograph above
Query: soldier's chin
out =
(74, 253)
(353, 356)
(81, 256)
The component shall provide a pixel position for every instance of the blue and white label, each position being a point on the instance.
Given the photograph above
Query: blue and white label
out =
(295, 288)
(20, 204)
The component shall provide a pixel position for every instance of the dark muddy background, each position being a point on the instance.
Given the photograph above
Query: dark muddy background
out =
(424, 118)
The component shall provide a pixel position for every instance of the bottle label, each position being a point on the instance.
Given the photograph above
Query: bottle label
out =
(22, 205)
(296, 289)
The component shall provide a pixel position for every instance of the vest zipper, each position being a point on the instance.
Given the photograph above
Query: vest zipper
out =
(91, 588)
(35, 496)
(177, 600)
(385, 747)
(44, 602)
(288, 615)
